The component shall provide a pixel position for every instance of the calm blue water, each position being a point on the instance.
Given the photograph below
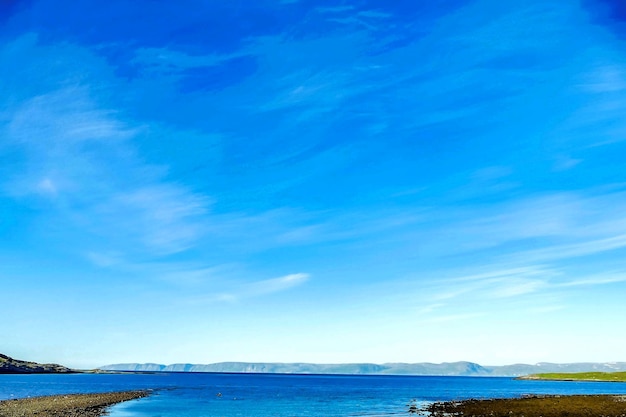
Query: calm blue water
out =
(264, 395)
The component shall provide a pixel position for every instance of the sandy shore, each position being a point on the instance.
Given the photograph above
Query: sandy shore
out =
(534, 406)
(74, 405)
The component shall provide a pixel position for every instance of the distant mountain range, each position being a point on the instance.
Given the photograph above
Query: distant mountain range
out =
(425, 368)
(9, 365)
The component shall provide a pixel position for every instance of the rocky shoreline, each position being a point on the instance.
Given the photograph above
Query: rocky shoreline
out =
(8, 365)
(532, 406)
(74, 405)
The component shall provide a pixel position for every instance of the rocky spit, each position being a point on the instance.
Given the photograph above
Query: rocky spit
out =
(532, 406)
(74, 405)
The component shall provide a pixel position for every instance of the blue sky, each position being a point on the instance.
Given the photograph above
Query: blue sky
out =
(319, 181)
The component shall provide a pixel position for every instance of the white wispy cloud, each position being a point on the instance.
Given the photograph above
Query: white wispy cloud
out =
(83, 154)
(165, 217)
(273, 285)
(247, 290)
(593, 280)
(314, 92)
(447, 318)
(516, 287)
(604, 78)
(374, 14)
(536, 289)
(496, 283)
(530, 229)
(335, 10)
(598, 90)
(47, 186)
(545, 309)
(196, 282)
(105, 259)
(429, 308)
(565, 251)
(499, 31)
(178, 276)
(64, 118)
(168, 61)
(356, 22)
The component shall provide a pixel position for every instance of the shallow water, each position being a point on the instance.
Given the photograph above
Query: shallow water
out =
(230, 395)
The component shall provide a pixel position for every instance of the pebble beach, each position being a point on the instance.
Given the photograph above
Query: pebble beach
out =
(74, 405)
(534, 406)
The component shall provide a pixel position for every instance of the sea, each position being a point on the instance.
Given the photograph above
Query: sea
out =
(279, 395)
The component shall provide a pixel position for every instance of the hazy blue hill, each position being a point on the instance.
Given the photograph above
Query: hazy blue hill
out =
(134, 367)
(454, 368)
(279, 368)
(425, 368)
(543, 367)
(446, 368)
(181, 367)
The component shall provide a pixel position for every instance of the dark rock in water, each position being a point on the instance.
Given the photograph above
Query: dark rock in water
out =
(9, 365)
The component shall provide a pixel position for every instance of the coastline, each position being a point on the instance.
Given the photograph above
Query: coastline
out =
(71, 405)
(578, 376)
(531, 406)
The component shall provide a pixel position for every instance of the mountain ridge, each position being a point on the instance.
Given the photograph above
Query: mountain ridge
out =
(461, 368)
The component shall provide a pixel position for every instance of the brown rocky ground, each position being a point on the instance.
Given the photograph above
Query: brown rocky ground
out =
(534, 406)
(8, 365)
(75, 405)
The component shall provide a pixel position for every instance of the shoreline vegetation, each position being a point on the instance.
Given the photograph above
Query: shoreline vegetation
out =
(530, 406)
(72, 405)
(579, 376)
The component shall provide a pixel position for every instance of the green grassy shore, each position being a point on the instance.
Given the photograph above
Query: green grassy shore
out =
(535, 406)
(75, 405)
(580, 376)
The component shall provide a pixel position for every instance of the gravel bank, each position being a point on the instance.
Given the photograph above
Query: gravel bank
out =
(74, 405)
(535, 406)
